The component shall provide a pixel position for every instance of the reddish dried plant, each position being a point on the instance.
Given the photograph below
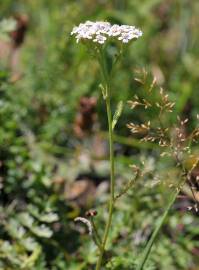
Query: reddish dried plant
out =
(86, 116)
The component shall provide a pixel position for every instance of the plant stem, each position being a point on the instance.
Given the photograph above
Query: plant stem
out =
(96, 234)
(111, 153)
(150, 243)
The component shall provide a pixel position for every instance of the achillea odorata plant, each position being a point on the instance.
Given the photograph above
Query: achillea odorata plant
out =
(97, 37)
(171, 139)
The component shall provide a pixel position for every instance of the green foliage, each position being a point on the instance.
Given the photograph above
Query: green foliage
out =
(37, 144)
(117, 114)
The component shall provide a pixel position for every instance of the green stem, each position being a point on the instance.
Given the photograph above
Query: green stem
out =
(161, 221)
(111, 202)
(112, 181)
(96, 234)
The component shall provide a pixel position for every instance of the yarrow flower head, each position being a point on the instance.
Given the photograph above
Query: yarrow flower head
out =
(100, 32)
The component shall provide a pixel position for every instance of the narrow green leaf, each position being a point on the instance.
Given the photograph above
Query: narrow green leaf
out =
(160, 222)
(117, 114)
(104, 91)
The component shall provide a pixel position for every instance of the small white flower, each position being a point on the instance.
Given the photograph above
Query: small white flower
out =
(126, 36)
(99, 32)
(100, 39)
(115, 30)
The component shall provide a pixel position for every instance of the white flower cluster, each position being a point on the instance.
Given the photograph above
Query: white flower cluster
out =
(100, 31)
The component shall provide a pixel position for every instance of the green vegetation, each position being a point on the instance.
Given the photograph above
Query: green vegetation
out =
(44, 161)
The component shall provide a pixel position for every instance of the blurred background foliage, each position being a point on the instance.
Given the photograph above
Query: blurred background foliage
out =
(49, 172)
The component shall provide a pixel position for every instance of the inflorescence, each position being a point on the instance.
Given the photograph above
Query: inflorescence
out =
(100, 32)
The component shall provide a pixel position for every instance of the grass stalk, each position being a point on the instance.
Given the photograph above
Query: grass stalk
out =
(160, 222)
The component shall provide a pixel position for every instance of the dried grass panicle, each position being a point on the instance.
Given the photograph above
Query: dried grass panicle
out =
(173, 139)
(141, 129)
(139, 102)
